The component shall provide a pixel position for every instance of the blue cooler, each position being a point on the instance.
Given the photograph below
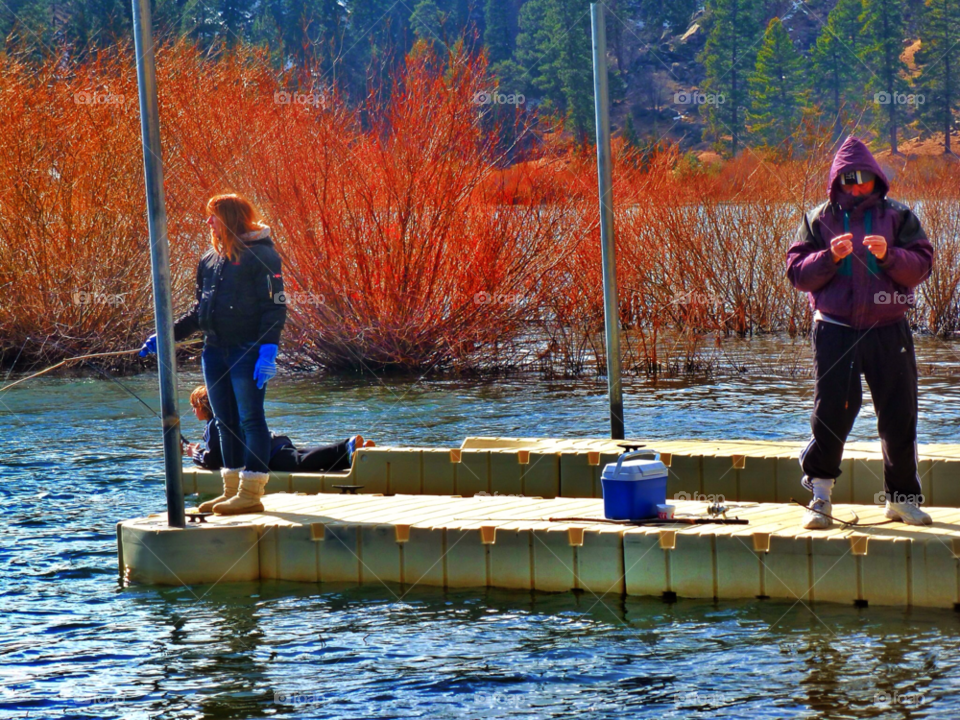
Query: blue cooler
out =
(634, 486)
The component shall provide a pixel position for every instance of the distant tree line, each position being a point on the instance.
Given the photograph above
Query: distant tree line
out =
(854, 73)
(758, 73)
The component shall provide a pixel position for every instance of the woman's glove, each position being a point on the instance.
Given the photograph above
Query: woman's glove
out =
(266, 366)
(150, 346)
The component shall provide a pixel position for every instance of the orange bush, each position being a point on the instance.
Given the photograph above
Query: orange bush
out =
(409, 240)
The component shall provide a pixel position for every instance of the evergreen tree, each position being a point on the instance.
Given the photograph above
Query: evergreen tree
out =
(236, 20)
(571, 28)
(267, 27)
(200, 21)
(30, 21)
(167, 18)
(313, 32)
(837, 71)
(499, 29)
(775, 87)
(940, 37)
(93, 23)
(427, 22)
(629, 133)
(883, 32)
(538, 55)
(553, 47)
(729, 57)
(379, 35)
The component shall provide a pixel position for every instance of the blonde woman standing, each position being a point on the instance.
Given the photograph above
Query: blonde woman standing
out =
(239, 310)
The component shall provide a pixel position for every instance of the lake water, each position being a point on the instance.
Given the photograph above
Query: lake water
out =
(80, 454)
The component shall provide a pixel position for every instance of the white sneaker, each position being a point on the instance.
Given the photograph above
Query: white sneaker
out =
(907, 512)
(814, 519)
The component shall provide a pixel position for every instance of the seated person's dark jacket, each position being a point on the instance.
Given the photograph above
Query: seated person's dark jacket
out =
(208, 455)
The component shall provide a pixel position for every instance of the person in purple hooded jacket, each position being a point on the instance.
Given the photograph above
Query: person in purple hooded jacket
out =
(859, 256)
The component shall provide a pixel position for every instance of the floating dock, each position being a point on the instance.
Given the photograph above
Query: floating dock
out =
(526, 543)
(734, 471)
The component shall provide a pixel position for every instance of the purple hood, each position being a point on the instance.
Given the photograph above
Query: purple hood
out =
(854, 155)
(861, 290)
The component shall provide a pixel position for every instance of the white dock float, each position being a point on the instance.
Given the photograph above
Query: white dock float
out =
(511, 542)
(742, 470)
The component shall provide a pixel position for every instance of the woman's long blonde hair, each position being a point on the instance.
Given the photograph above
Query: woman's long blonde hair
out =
(237, 217)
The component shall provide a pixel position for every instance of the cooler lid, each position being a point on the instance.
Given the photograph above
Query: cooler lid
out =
(637, 468)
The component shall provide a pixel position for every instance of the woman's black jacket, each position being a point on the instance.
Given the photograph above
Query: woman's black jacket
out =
(238, 301)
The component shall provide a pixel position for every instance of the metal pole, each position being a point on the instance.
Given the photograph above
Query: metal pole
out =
(611, 312)
(159, 259)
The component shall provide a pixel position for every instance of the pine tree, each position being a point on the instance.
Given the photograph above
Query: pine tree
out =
(201, 22)
(379, 36)
(500, 29)
(267, 27)
(29, 21)
(837, 70)
(939, 60)
(775, 87)
(427, 22)
(236, 20)
(97, 23)
(883, 32)
(629, 133)
(571, 29)
(538, 55)
(313, 32)
(728, 58)
(553, 47)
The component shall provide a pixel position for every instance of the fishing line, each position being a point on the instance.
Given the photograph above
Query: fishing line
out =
(85, 359)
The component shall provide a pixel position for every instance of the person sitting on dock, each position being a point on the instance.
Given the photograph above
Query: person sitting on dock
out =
(284, 455)
(860, 255)
(239, 310)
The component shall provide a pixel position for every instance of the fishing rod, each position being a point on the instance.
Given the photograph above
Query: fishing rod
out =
(85, 359)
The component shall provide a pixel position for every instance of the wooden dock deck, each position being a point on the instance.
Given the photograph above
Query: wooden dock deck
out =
(511, 542)
(747, 471)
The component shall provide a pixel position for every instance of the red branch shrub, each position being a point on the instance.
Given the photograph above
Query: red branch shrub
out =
(410, 241)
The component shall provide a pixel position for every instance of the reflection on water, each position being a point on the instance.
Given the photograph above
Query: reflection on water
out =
(290, 650)
(80, 454)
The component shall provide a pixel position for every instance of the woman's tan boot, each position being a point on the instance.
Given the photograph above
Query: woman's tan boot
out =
(231, 484)
(247, 500)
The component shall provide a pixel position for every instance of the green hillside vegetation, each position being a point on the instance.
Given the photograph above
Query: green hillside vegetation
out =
(720, 74)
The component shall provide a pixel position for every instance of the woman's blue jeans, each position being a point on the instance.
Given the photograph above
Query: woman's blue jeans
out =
(237, 405)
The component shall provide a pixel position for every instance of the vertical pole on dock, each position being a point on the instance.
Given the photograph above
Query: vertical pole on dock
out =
(611, 312)
(159, 258)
